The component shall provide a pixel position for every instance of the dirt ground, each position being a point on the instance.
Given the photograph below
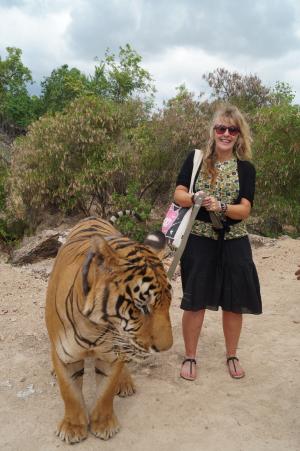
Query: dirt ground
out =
(258, 413)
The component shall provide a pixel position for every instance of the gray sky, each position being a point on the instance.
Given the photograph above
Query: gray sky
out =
(179, 40)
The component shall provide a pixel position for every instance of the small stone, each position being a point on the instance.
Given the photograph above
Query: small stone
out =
(5, 384)
(29, 390)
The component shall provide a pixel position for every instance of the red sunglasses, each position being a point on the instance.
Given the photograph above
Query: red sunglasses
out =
(232, 130)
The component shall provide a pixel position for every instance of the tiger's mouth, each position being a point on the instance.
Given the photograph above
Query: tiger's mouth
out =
(128, 349)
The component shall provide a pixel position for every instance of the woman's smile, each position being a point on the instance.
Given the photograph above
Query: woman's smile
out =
(225, 140)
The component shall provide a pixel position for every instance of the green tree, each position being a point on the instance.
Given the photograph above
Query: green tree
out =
(121, 79)
(15, 102)
(117, 79)
(245, 91)
(61, 87)
(282, 94)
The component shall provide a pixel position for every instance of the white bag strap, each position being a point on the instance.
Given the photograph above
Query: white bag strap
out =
(198, 155)
(197, 205)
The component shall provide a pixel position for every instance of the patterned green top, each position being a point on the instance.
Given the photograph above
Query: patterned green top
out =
(226, 190)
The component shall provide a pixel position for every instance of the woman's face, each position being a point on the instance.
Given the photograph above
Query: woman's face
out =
(226, 134)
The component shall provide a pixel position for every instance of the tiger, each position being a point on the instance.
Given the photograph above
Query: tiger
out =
(108, 298)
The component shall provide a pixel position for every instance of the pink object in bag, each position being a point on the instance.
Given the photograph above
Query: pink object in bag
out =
(170, 217)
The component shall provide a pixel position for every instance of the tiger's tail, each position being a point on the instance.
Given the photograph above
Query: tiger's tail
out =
(119, 214)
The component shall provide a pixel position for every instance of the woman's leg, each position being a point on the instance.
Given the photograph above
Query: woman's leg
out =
(191, 328)
(232, 326)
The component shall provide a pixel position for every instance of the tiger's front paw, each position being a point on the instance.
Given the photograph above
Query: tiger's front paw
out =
(105, 426)
(70, 432)
(125, 387)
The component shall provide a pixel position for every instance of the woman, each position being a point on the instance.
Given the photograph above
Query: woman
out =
(217, 269)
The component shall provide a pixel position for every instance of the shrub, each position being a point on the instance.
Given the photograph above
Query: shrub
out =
(129, 225)
(74, 159)
(277, 157)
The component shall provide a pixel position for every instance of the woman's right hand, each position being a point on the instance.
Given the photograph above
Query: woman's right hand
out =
(199, 192)
(183, 198)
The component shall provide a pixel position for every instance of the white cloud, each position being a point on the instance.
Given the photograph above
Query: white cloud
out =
(260, 28)
(179, 40)
(180, 65)
(41, 38)
(187, 65)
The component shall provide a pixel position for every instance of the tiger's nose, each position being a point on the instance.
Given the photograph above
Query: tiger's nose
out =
(154, 348)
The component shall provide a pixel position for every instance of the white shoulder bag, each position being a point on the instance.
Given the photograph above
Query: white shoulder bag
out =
(177, 218)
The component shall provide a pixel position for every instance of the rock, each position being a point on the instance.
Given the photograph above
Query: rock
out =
(258, 241)
(27, 392)
(289, 229)
(272, 225)
(37, 248)
(5, 384)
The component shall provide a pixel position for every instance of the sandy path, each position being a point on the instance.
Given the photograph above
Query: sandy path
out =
(259, 412)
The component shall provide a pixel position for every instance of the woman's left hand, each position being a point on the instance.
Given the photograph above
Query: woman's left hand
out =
(211, 204)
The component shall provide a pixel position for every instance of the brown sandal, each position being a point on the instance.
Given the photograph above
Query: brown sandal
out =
(233, 374)
(192, 361)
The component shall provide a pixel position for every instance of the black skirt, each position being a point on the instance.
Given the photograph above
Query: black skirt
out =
(219, 274)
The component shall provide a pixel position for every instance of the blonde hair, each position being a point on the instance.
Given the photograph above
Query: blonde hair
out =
(242, 147)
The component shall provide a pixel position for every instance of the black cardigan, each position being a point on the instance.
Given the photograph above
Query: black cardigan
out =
(246, 173)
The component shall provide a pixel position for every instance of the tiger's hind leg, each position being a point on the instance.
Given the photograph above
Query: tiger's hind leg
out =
(74, 426)
(103, 422)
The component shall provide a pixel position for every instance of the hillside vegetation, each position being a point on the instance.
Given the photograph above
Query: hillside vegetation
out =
(97, 143)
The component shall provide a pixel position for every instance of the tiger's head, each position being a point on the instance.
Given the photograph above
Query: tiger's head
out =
(126, 287)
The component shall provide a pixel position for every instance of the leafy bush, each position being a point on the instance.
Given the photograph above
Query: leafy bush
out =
(277, 157)
(75, 159)
(3, 181)
(179, 127)
(129, 225)
(10, 229)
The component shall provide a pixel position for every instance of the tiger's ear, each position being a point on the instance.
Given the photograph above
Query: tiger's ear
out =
(103, 251)
(157, 241)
